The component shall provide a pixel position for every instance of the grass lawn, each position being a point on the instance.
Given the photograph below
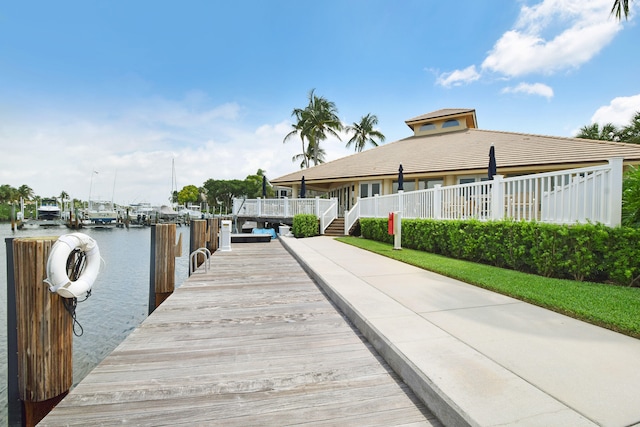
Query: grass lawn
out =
(613, 307)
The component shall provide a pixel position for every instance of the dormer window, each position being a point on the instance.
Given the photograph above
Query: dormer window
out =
(445, 120)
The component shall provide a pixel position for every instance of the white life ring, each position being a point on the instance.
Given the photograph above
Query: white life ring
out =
(57, 277)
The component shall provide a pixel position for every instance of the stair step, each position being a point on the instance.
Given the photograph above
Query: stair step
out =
(336, 228)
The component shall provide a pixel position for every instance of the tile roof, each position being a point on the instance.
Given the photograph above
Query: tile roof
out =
(465, 150)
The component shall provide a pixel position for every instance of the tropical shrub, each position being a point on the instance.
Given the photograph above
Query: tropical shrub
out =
(591, 252)
(631, 197)
(305, 225)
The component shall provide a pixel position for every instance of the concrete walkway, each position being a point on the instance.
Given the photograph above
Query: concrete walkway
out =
(476, 357)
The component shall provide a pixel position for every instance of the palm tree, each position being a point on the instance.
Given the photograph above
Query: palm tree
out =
(620, 7)
(298, 127)
(631, 132)
(319, 156)
(320, 118)
(25, 192)
(7, 193)
(364, 133)
(314, 123)
(607, 133)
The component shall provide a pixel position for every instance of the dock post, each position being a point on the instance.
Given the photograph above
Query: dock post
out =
(162, 270)
(198, 239)
(213, 226)
(14, 403)
(39, 334)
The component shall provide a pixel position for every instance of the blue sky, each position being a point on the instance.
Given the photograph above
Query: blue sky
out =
(125, 87)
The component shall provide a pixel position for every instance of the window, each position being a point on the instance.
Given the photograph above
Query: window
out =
(429, 183)
(473, 178)
(406, 185)
(375, 188)
(369, 189)
(450, 124)
(427, 126)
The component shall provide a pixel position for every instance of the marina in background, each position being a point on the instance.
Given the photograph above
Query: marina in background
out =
(51, 213)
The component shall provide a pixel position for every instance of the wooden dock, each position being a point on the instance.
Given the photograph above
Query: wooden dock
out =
(251, 342)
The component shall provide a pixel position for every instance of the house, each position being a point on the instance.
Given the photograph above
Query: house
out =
(447, 148)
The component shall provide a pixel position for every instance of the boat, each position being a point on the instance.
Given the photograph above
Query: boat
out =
(190, 212)
(48, 214)
(137, 215)
(167, 214)
(100, 214)
(49, 209)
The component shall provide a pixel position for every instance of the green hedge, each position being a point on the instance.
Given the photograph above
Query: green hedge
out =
(305, 225)
(585, 252)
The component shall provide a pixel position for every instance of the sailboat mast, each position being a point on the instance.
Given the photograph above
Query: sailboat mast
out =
(113, 191)
(174, 183)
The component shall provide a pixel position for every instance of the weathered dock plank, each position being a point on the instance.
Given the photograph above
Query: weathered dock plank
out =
(253, 341)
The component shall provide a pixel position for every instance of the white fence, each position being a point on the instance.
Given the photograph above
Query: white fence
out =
(592, 194)
(325, 209)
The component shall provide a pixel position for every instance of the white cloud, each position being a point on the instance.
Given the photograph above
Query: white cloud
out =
(553, 35)
(458, 77)
(549, 37)
(133, 148)
(531, 89)
(620, 111)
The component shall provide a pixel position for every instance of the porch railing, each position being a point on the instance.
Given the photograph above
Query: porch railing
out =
(592, 194)
(325, 209)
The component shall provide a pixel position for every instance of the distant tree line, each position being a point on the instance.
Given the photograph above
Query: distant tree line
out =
(9, 194)
(609, 132)
(218, 194)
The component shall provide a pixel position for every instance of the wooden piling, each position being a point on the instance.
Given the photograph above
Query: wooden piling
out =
(199, 238)
(164, 251)
(44, 334)
(213, 226)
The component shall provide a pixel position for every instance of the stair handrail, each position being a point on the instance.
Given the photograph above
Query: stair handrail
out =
(351, 216)
(328, 216)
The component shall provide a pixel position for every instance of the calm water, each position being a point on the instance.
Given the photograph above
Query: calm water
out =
(119, 299)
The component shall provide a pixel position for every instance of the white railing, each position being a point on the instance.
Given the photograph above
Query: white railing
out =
(592, 194)
(582, 195)
(350, 217)
(328, 216)
(325, 209)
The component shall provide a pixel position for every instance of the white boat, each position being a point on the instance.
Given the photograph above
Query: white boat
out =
(167, 212)
(48, 214)
(100, 214)
(190, 212)
(138, 214)
(49, 209)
